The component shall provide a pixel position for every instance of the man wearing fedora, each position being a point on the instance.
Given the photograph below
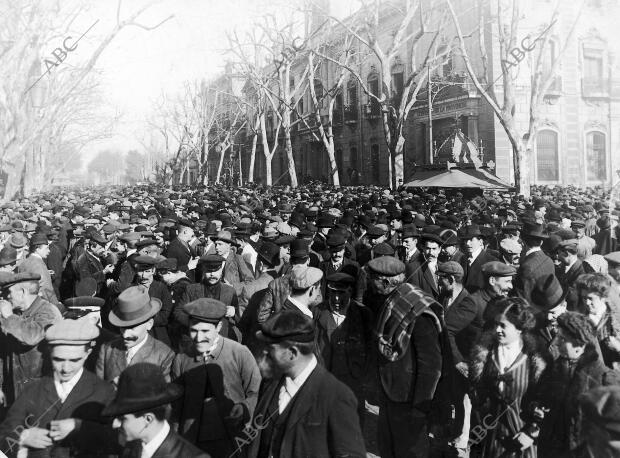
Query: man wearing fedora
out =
(35, 263)
(60, 415)
(139, 411)
(236, 271)
(134, 315)
(220, 380)
(23, 321)
(476, 255)
(303, 410)
(536, 270)
(212, 268)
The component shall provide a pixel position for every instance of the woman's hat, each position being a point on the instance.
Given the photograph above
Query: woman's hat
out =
(134, 306)
(141, 386)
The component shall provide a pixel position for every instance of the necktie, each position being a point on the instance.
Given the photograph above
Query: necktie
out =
(128, 356)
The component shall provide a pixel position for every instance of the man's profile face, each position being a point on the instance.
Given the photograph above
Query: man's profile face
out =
(130, 426)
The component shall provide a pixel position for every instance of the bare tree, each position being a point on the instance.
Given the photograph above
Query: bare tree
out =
(506, 22)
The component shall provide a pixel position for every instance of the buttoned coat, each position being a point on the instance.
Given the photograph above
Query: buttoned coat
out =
(320, 421)
(112, 357)
(35, 264)
(22, 334)
(39, 404)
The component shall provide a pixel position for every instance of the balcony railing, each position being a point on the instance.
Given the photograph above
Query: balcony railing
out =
(350, 113)
(595, 87)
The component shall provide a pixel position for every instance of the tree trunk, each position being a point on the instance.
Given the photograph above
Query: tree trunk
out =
(399, 171)
(289, 156)
(252, 158)
(333, 167)
(268, 177)
(219, 167)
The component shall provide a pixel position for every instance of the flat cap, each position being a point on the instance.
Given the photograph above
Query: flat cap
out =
(206, 309)
(387, 266)
(289, 325)
(383, 249)
(375, 232)
(71, 332)
(340, 281)
(167, 264)
(19, 278)
(450, 268)
(510, 246)
(569, 245)
(498, 269)
(211, 262)
(303, 277)
(613, 257)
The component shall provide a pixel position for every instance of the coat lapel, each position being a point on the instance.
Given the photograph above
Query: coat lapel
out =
(147, 350)
(80, 392)
(305, 398)
(430, 279)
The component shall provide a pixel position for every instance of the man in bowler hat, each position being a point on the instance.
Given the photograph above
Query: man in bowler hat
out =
(139, 412)
(303, 410)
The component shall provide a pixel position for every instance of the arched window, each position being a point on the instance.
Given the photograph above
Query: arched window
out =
(547, 156)
(596, 156)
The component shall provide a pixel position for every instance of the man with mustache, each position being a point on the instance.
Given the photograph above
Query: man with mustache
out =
(220, 380)
(134, 315)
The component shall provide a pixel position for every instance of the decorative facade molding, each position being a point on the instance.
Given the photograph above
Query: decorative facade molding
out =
(595, 125)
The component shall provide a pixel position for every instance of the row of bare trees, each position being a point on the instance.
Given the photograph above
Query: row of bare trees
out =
(281, 68)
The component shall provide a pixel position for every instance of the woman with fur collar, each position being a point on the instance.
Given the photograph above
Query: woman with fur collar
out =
(506, 365)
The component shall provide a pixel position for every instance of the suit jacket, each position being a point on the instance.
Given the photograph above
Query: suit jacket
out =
(36, 265)
(464, 322)
(172, 446)
(39, 404)
(112, 361)
(236, 271)
(535, 275)
(249, 289)
(87, 266)
(320, 421)
(474, 278)
(423, 279)
(55, 260)
(20, 342)
(181, 252)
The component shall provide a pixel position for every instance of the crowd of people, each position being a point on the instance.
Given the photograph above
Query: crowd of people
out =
(275, 322)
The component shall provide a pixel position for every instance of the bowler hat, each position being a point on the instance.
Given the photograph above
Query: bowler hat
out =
(8, 255)
(287, 325)
(469, 232)
(299, 249)
(134, 306)
(409, 230)
(38, 239)
(224, 236)
(141, 386)
(269, 253)
(534, 230)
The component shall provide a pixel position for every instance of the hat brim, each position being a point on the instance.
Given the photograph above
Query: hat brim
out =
(301, 338)
(126, 406)
(84, 301)
(232, 242)
(115, 320)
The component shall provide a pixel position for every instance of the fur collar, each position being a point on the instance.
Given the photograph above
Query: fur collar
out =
(481, 352)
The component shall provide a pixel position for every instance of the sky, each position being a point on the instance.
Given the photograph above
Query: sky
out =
(139, 65)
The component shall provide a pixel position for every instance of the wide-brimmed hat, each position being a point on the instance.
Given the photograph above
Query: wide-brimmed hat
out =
(224, 236)
(269, 253)
(534, 230)
(141, 386)
(134, 306)
(469, 232)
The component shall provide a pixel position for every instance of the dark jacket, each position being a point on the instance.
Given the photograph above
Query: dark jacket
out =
(319, 422)
(424, 279)
(568, 281)
(112, 360)
(89, 266)
(560, 386)
(39, 404)
(173, 446)
(463, 320)
(474, 278)
(181, 252)
(535, 275)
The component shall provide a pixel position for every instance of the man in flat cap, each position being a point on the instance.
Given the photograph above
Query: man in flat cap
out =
(23, 320)
(177, 282)
(35, 263)
(585, 244)
(298, 394)
(140, 409)
(220, 380)
(305, 292)
(60, 415)
(212, 267)
(134, 315)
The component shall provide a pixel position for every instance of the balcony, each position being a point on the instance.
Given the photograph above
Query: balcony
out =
(595, 87)
(350, 114)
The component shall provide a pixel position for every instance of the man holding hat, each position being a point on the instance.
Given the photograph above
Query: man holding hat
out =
(139, 412)
(35, 263)
(60, 415)
(23, 321)
(303, 410)
(133, 314)
(220, 380)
